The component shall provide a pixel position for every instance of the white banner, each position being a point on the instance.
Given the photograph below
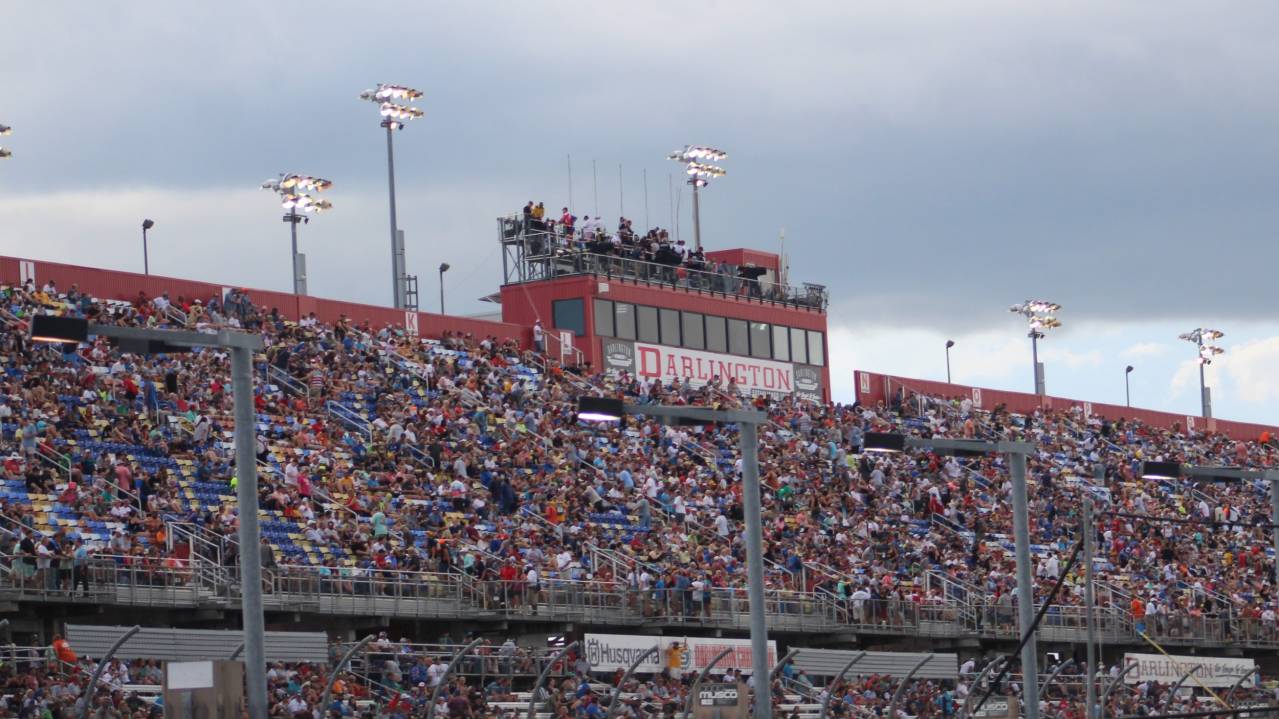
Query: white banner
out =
(698, 368)
(610, 652)
(1211, 671)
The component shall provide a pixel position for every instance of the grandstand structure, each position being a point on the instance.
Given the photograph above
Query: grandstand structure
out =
(425, 473)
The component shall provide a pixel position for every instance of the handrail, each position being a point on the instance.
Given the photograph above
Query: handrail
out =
(281, 377)
(567, 260)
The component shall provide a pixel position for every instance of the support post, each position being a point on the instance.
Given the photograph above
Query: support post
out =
(617, 690)
(1114, 683)
(1090, 606)
(992, 665)
(1052, 676)
(1173, 692)
(444, 678)
(1025, 586)
(838, 678)
(697, 219)
(901, 687)
(772, 673)
(1274, 520)
(239, 649)
(336, 670)
(546, 672)
(397, 250)
(299, 287)
(92, 688)
(246, 472)
(692, 690)
(1230, 695)
(755, 567)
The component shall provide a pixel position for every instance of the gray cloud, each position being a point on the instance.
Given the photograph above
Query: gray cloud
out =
(932, 164)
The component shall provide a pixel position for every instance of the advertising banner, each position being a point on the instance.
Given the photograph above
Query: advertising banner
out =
(720, 701)
(610, 652)
(1211, 671)
(698, 368)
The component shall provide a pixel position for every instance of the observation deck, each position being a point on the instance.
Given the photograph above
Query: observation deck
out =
(534, 252)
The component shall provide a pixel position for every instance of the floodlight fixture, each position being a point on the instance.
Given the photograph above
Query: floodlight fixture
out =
(1160, 470)
(697, 161)
(5, 152)
(1203, 338)
(600, 409)
(6, 130)
(394, 108)
(1040, 316)
(887, 442)
(60, 330)
(294, 190)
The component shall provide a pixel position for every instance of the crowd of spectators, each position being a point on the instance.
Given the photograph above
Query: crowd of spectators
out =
(462, 456)
(662, 257)
(468, 461)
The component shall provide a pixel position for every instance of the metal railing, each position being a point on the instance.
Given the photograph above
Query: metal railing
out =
(549, 254)
(287, 381)
(149, 581)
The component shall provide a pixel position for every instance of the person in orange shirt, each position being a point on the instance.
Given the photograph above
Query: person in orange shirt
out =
(62, 650)
(1139, 614)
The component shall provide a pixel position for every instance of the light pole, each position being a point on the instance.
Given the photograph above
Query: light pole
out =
(5, 152)
(146, 262)
(700, 172)
(444, 267)
(949, 344)
(1203, 339)
(1016, 453)
(292, 190)
(603, 409)
(394, 114)
(242, 345)
(1127, 392)
(1040, 316)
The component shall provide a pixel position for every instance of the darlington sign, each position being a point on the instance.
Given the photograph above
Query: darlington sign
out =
(752, 375)
(1211, 671)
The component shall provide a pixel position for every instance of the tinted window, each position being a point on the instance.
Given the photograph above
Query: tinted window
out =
(798, 346)
(604, 318)
(759, 340)
(781, 343)
(569, 315)
(816, 353)
(694, 336)
(624, 317)
(738, 343)
(669, 322)
(716, 334)
(646, 318)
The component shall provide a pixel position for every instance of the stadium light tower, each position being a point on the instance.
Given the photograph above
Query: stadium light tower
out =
(696, 160)
(4, 151)
(293, 190)
(1203, 339)
(390, 100)
(1040, 315)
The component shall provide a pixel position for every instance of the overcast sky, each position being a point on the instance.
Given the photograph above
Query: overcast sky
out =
(932, 163)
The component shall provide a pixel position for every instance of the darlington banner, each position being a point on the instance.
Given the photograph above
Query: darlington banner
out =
(610, 652)
(752, 375)
(1212, 671)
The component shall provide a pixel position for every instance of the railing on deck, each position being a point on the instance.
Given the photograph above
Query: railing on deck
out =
(544, 255)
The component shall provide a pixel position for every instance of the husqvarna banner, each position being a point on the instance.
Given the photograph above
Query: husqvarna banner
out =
(610, 652)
